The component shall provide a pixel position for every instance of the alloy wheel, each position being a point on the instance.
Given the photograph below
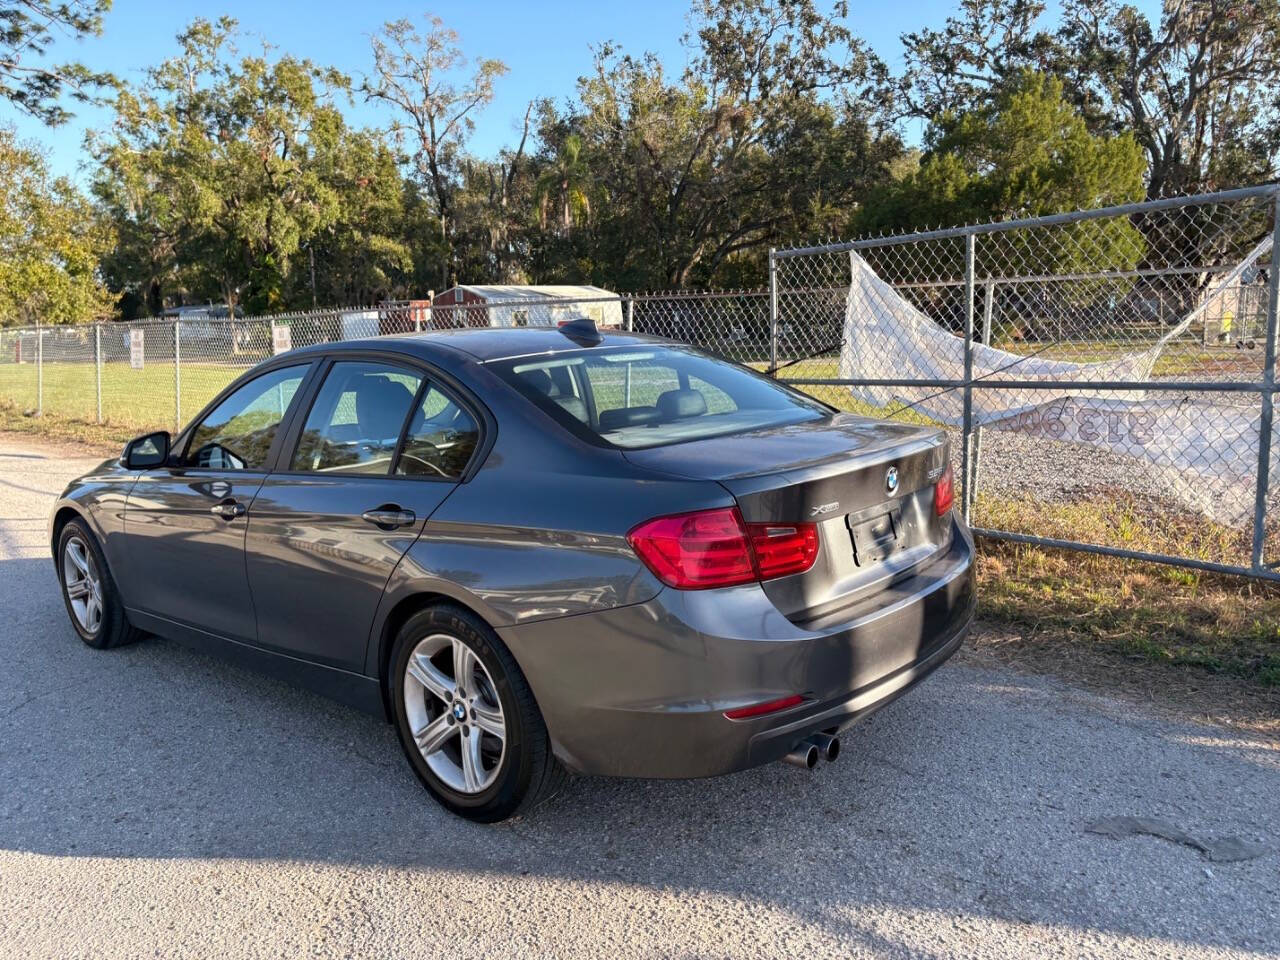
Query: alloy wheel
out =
(455, 717)
(83, 584)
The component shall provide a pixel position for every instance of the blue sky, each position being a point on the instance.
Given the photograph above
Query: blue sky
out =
(546, 44)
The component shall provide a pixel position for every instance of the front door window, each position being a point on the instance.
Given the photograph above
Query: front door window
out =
(238, 433)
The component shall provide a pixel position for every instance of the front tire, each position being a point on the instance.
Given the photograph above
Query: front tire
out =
(92, 599)
(467, 719)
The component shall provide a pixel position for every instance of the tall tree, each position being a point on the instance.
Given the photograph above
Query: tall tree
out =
(562, 190)
(767, 126)
(221, 170)
(415, 73)
(27, 80)
(492, 212)
(365, 253)
(955, 68)
(1024, 152)
(50, 243)
(1200, 89)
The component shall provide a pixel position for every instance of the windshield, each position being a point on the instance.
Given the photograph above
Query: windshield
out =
(653, 396)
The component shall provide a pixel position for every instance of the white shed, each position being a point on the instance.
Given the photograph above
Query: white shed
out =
(513, 305)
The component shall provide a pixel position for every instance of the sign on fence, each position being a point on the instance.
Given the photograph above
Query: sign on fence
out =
(281, 338)
(136, 349)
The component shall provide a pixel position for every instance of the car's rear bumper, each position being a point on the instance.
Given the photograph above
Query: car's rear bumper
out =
(642, 690)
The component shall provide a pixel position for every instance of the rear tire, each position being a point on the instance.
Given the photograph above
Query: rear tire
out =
(480, 747)
(89, 592)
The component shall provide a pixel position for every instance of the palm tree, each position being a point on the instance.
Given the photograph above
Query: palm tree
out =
(563, 187)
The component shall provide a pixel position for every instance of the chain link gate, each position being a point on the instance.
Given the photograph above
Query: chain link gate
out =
(1107, 376)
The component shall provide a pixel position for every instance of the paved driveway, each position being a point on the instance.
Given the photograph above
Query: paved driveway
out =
(154, 802)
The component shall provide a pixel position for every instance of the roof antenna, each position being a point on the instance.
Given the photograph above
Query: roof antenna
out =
(582, 331)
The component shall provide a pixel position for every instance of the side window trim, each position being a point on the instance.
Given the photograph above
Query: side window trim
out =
(283, 460)
(306, 390)
(418, 399)
(178, 460)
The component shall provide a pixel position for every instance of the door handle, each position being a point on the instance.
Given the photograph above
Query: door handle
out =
(228, 509)
(389, 517)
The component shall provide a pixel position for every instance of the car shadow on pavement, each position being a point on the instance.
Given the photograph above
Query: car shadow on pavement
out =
(966, 798)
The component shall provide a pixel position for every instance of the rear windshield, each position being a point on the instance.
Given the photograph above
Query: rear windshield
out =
(654, 396)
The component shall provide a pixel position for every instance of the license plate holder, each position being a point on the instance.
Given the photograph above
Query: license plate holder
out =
(876, 537)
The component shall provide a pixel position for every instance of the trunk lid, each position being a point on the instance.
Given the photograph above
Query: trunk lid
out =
(867, 484)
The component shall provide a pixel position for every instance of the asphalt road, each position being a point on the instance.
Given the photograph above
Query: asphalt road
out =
(154, 802)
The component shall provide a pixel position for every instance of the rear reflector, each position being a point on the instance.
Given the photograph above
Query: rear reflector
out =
(760, 709)
(714, 548)
(944, 493)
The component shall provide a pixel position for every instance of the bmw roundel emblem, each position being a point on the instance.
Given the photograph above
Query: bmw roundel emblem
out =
(891, 480)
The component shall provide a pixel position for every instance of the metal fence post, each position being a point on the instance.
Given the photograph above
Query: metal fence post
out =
(988, 305)
(97, 366)
(1268, 393)
(177, 375)
(631, 318)
(773, 311)
(966, 437)
(39, 371)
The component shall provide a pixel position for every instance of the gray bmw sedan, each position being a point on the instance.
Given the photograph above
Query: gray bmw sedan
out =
(536, 551)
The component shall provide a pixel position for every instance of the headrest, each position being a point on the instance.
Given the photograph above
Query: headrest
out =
(540, 379)
(678, 404)
(575, 407)
(627, 417)
(381, 405)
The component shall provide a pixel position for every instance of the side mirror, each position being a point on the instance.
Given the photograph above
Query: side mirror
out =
(143, 453)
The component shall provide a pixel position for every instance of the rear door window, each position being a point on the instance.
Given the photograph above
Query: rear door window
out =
(357, 418)
(441, 439)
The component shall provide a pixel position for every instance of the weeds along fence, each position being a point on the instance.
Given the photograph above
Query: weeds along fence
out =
(1107, 376)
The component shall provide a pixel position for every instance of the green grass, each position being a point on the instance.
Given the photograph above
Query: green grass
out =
(1177, 360)
(137, 399)
(1101, 606)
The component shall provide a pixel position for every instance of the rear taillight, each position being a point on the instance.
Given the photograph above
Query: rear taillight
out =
(783, 549)
(715, 548)
(694, 551)
(944, 493)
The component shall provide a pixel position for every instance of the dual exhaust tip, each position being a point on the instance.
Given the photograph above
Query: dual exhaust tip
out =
(810, 750)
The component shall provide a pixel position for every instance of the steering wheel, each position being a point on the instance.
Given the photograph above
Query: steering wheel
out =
(205, 454)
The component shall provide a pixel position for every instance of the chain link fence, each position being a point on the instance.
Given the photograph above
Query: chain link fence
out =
(1107, 376)
(155, 374)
